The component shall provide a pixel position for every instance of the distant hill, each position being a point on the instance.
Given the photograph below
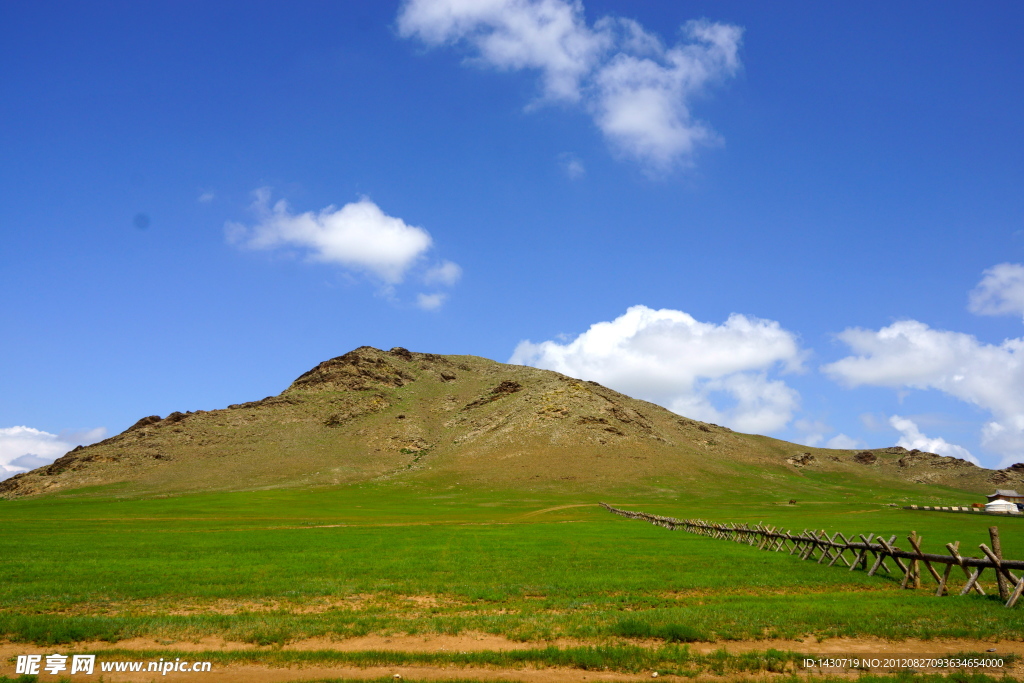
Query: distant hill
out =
(420, 418)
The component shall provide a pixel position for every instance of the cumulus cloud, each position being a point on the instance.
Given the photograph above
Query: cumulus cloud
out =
(909, 354)
(1000, 292)
(642, 102)
(358, 236)
(911, 438)
(637, 90)
(667, 357)
(24, 448)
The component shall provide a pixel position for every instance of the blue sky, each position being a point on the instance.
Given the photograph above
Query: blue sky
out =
(805, 222)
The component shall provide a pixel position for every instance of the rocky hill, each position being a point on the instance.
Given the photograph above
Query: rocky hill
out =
(404, 417)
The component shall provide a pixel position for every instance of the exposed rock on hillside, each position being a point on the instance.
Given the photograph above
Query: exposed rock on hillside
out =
(866, 458)
(801, 459)
(359, 370)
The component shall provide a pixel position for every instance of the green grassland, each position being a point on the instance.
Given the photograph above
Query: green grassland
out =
(669, 659)
(270, 567)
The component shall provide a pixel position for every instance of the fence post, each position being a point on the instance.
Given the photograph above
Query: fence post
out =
(997, 549)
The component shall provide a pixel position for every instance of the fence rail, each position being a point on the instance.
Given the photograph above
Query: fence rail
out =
(962, 508)
(834, 548)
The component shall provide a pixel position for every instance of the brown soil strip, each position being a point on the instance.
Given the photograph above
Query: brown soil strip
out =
(468, 642)
(427, 643)
(261, 674)
(245, 673)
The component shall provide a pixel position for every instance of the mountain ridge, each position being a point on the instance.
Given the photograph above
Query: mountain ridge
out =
(406, 417)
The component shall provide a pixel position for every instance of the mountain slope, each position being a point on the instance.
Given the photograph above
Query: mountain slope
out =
(423, 418)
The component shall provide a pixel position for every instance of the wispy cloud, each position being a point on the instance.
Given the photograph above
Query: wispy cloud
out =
(572, 166)
(812, 432)
(668, 357)
(637, 90)
(843, 442)
(445, 273)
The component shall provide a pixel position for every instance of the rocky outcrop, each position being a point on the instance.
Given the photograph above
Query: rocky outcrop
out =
(363, 369)
(504, 389)
(801, 460)
(865, 458)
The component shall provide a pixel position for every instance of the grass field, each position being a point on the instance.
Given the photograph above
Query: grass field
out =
(275, 566)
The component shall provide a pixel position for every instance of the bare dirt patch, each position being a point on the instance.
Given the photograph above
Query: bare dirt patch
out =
(259, 674)
(466, 642)
(244, 673)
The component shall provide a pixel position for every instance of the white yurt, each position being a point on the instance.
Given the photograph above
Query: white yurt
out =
(1001, 506)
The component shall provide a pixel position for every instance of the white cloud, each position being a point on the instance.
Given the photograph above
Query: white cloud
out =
(445, 273)
(637, 90)
(1006, 437)
(24, 448)
(815, 431)
(206, 197)
(668, 357)
(1000, 292)
(548, 35)
(844, 443)
(911, 438)
(430, 302)
(812, 431)
(358, 236)
(909, 354)
(642, 102)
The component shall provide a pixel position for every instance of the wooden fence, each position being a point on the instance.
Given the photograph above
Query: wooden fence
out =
(961, 508)
(870, 549)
